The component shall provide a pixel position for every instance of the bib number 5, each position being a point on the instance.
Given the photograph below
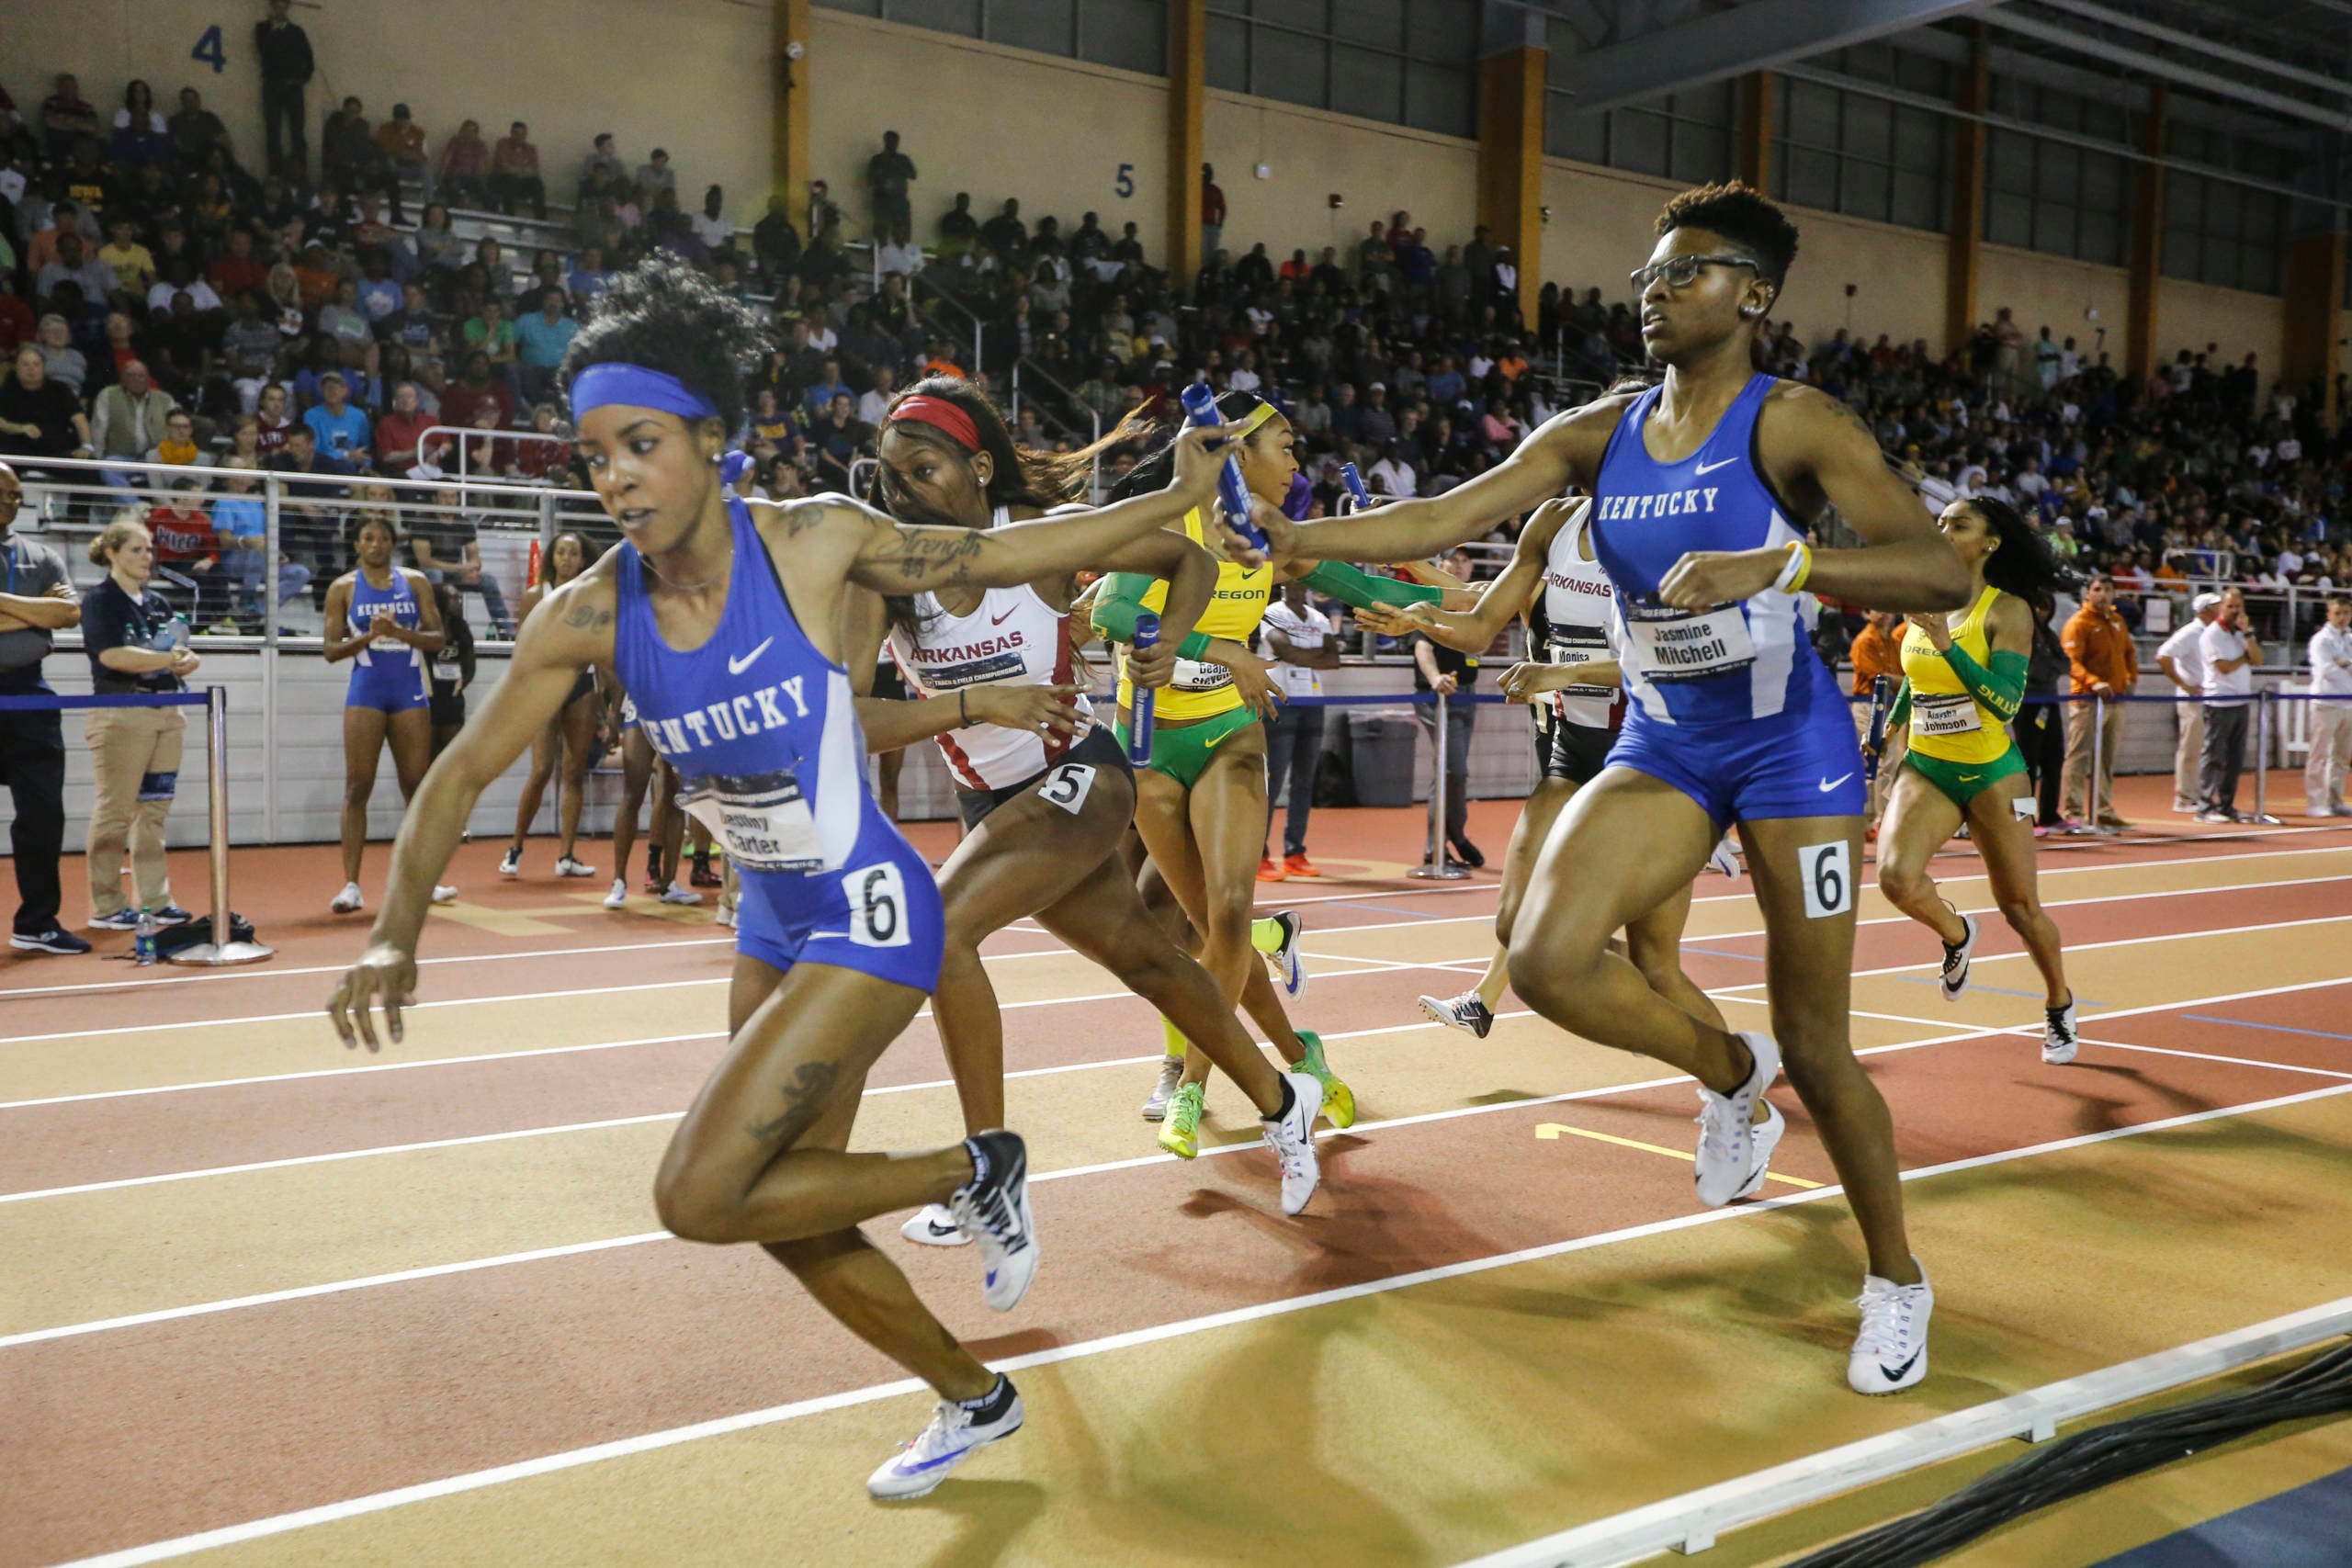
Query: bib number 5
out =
(1067, 786)
(878, 906)
(1827, 873)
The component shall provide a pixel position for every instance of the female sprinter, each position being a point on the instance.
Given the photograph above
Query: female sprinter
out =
(1201, 802)
(722, 621)
(1046, 791)
(384, 619)
(1701, 487)
(569, 735)
(1963, 678)
(1554, 577)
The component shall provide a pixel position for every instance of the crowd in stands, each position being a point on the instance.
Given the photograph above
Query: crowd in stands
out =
(165, 301)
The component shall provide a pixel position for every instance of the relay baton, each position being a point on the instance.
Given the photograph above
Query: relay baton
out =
(1200, 408)
(1139, 700)
(1354, 481)
(1882, 700)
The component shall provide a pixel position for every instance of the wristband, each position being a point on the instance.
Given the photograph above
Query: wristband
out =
(1798, 568)
(1194, 646)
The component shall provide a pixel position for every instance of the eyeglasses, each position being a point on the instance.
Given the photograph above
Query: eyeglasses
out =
(1680, 272)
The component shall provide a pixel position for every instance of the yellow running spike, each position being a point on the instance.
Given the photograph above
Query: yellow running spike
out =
(1266, 935)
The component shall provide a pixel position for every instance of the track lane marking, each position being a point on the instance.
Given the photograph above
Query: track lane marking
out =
(380, 1502)
(1244, 1145)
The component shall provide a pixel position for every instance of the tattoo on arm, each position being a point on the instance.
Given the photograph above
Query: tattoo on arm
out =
(805, 1098)
(582, 616)
(929, 556)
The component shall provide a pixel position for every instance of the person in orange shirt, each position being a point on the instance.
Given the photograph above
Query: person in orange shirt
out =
(2105, 663)
(402, 140)
(1877, 650)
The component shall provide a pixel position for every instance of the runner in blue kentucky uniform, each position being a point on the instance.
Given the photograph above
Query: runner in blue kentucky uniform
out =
(728, 640)
(763, 729)
(1730, 704)
(1702, 487)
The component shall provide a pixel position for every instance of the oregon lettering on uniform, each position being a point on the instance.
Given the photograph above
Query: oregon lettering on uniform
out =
(747, 714)
(1660, 503)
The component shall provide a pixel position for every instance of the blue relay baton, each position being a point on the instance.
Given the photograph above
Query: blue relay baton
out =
(1139, 700)
(1354, 481)
(1881, 702)
(1200, 408)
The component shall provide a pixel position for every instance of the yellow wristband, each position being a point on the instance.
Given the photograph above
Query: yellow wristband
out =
(1798, 568)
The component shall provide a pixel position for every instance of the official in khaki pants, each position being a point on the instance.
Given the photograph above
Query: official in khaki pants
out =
(134, 752)
(2331, 716)
(2184, 665)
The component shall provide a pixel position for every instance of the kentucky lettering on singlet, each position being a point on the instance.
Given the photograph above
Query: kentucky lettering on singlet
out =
(761, 726)
(1728, 663)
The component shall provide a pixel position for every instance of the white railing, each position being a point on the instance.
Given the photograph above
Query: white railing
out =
(467, 434)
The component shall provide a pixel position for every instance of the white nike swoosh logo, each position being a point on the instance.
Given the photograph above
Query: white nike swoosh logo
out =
(1829, 784)
(1710, 468)
(737, 666)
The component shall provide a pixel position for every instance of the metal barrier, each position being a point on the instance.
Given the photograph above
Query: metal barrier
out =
(221, 949)
(468, 434)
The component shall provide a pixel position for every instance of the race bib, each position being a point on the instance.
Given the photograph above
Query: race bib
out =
(446, 667)
(760, 821)
(1945, 715)
(1581, 644)
(1683, 645)
(1193, 675)
(878, 906)
(1067, 786)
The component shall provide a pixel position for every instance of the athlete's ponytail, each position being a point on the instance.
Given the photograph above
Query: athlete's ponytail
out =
(2022, 564)
(1160, 465)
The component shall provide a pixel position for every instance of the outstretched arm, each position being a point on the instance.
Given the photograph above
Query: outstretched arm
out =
(1474, 630)
(1566, 449)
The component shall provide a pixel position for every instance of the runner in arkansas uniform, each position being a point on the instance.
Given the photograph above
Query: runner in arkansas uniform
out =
(1702, 489)
(723, 622)
(1045, 791)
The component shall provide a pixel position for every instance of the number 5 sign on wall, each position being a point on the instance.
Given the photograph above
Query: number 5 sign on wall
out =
(209, 50)
(1125, 184)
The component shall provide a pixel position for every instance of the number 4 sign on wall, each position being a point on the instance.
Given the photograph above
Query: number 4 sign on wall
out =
(209, 50)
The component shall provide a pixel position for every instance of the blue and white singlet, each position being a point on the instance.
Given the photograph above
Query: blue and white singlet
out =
(1730, 704)
(388, 675)
(763, 729)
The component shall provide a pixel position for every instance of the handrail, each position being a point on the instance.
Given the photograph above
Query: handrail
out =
(469, 433)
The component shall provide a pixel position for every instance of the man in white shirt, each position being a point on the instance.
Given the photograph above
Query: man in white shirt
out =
(2331, 712)
(2183, 662)
(2230, 655)
(1301, 637)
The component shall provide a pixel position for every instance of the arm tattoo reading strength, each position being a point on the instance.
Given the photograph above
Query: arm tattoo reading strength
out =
(939, 557)
(804, 1101)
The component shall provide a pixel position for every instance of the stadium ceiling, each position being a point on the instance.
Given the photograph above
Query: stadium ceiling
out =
(2278, 69)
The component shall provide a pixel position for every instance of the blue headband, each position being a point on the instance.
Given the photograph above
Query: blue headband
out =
(633, 385)
(612, 382)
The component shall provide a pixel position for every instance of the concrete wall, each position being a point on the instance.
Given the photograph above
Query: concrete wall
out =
(2053, 291)
(1311, 154)
(2190, 315)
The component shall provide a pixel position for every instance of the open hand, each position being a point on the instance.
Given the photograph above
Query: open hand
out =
(1395, 620)
(1253, 679)
(1034, 710)
(384, 972)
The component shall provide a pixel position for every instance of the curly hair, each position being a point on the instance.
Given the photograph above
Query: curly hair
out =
(2023, 565)
(1741, 214)
(1154, 471)
(665, 316)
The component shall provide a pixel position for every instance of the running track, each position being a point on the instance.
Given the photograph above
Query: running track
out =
(415, 1307)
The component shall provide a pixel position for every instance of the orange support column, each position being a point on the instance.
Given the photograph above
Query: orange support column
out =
(1963, 260)
(1510, 163)
(788, 157)
(1188, 76)
(2147, 241)
(1755, 94)
(2315, 318)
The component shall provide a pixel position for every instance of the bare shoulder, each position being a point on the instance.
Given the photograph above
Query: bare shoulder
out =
(1587, 426)
(589, 604)
(781, 522)
(1808, 409)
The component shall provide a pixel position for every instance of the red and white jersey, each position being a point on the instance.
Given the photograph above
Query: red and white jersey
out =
(1577, 596)
(1014, 638)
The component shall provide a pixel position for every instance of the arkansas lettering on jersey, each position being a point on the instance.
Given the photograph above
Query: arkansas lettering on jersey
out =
(1657, 503)
(973, 663)
(761, 709)
(1593, 589)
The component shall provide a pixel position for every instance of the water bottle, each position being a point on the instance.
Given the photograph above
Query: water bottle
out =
(142, 946)
(1200, 408)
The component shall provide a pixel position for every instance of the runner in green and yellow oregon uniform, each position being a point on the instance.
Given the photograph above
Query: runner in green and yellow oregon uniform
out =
(1201, 802)
(1963, 682)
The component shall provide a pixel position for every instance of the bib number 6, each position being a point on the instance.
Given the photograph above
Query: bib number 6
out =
(878, 906)
(1827, 873)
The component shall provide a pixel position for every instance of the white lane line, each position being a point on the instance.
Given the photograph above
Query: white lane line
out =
(549, 1465)
(126, 988)
(1370, 889)
(1112, 996)
(202, 1309)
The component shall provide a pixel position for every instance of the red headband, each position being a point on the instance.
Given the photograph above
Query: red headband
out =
(939, 414)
